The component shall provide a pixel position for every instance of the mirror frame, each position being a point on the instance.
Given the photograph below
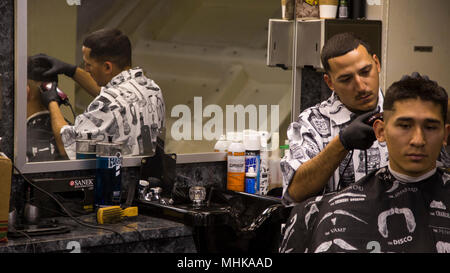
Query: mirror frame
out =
(21, 52)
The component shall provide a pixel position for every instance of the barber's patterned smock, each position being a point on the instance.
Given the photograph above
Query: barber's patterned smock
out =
(130, 108)
(376, 214)
(314, 129)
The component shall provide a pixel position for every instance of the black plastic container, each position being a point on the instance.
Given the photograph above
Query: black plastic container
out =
(229, 221)
(357, 9)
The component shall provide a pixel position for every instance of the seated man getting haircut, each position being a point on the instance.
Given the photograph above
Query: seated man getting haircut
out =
(41, 138)
(402, 207)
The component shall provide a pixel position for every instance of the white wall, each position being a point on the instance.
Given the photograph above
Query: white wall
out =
(52, 30)
(418, 23)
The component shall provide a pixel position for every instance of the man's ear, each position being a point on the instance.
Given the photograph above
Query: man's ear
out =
(378, 128)
(108, 66)
(328, 81)
(447, 133)
(28, 92)
(377, 62)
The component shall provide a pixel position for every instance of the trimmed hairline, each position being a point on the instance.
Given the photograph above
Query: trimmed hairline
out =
(385, 117)
(360, 44)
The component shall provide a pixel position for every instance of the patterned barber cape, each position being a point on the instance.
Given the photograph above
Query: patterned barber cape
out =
(130, 108)
(314, 129)
(376, 214)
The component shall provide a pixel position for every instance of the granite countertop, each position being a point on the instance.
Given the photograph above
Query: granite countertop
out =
(140, 234)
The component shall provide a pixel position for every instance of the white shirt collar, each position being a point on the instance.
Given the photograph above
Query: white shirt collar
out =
(37, 114)
(409, 179)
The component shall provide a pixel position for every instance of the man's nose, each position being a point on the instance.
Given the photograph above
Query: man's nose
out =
(359, 83)
(418, 137)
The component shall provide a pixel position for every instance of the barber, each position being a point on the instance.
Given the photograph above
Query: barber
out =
(128, 105)
(330, 145)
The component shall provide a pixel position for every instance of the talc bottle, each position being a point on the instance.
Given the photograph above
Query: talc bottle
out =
(236, 164)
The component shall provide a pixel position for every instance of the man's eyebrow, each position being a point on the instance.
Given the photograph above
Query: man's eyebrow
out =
(432, 120)
(407, 119)
(403, 119)
(369, 66)
(343, 76)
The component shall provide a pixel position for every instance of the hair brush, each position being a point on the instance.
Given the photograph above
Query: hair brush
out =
(114, 214)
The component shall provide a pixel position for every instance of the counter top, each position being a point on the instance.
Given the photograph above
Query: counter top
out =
(141, 234)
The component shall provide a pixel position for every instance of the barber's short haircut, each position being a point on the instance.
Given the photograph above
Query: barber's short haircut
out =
(36, 67)
(339, 45)
(416, 88)
(109, 45)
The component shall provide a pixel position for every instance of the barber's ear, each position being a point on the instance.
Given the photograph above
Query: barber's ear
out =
(108, 66)
(378, 128)
(377, 62)
(328, 81)
(28, 92)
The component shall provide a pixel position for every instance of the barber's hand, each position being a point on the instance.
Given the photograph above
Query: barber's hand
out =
(50, 95)
(58, 67)
(358, 135)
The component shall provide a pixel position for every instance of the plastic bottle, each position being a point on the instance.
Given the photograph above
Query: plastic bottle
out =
(343, 9)
(236, 165)
(276, 177)
(264, 165)
(283, 9)
(284, 147)
(107, 190)
(252, 144)
(250, 181)
(287, 9)
(358, 9)
(221, 145)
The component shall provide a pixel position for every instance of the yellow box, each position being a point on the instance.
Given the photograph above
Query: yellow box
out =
(5, 192)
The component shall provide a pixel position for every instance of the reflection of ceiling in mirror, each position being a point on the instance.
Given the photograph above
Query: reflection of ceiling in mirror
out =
(213, 50)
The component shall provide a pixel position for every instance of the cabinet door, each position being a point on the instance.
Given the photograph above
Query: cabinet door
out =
(418, 40)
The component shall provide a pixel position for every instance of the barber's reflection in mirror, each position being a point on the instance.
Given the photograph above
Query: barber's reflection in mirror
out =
(42, 144)
(128, 105)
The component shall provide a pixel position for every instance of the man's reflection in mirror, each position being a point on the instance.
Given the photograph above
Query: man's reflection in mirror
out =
(128, 106)
(41, 143)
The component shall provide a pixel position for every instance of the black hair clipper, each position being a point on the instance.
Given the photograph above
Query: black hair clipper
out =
(63, 98)
(370, 121)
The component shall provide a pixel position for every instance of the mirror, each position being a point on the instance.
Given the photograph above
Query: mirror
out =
(208, 57)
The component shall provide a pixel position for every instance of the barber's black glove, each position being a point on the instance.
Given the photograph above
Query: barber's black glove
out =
(358, 135)
(49, 94)
(57, 66)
